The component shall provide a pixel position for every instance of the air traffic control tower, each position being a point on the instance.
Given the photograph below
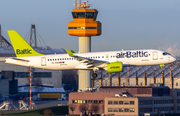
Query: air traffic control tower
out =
(84, 26)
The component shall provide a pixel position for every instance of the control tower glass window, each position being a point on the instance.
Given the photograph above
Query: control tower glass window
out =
(89, 14)
(74, 15)
(80, 15)
(95, 15)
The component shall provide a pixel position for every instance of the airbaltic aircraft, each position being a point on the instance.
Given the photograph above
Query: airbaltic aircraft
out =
(112, 62)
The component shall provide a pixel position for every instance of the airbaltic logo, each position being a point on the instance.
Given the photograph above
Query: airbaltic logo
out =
(24, 51)
(114, 67)
(132, 54)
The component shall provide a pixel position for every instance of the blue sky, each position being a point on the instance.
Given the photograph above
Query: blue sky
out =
(126, 24)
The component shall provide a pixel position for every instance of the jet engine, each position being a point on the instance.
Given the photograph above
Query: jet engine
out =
(114, 67)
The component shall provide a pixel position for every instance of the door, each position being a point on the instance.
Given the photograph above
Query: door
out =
(107, 57)
(155, 56)
(43, 61)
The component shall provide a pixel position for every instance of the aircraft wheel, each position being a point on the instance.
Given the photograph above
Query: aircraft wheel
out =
(94, 75)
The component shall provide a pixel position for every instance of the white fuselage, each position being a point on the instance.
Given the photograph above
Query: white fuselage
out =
(66, 62)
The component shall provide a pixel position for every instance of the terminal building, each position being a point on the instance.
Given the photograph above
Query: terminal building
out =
(127, 100)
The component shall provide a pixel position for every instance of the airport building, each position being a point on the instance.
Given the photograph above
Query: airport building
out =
(127, 100)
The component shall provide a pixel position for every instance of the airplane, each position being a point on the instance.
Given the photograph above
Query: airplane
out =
(111, 61)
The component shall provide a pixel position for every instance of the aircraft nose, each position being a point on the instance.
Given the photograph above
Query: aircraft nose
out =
(173, 59)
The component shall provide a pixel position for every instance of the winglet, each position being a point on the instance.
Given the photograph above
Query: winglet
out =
(69, 53)
(73, 51)
(21, 47)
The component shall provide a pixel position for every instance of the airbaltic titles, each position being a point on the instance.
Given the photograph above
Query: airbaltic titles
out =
(132, 54)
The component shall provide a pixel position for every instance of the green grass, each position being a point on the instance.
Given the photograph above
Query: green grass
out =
(58, 110)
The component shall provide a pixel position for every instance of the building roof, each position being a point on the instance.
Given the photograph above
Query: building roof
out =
(43, 90)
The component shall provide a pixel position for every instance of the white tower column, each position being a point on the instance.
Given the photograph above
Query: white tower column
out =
(84, 75)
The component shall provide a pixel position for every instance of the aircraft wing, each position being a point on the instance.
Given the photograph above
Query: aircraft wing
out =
(87, 61)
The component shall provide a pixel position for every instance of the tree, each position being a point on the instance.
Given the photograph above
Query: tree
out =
(95, 108)
(72, 107)
(83, 108)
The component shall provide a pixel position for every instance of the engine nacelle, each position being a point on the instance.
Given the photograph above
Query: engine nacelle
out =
(114, 67)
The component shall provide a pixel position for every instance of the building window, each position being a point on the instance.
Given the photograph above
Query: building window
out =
(115, 102)
(110, 110)
(115, 109)
(126, 102)
(84, 101)
(178, 93)
(126, 109)
(120, 102)
(145, 109)
(101, 101)
(131, 102)
(74, 101)
(110, 102)
(131, 109)
(90, 101)
(79, 101)
(163, 109)
(178, 108)
(145, 102)
(96, 101)
(163, 101)
(120, 109)
(178, 100)
(176, 84)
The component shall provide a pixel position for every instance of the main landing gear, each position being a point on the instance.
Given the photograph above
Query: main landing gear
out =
(94, 75)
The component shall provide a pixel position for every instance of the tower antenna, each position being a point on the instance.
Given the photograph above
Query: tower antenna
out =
(75, 4)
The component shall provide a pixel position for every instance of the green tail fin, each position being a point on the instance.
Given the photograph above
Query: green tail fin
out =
(21, 47)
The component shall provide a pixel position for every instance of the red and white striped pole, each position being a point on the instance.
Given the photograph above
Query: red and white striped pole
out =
(170, 79)
(30, 83)
(127, 76)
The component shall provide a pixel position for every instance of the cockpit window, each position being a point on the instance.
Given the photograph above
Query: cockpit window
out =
(165, 53)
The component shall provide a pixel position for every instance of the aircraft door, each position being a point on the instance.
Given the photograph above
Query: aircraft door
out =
(155, 56)
(107, 56)
(43, 61)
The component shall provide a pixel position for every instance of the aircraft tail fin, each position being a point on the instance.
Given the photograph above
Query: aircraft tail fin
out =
(21, 47)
